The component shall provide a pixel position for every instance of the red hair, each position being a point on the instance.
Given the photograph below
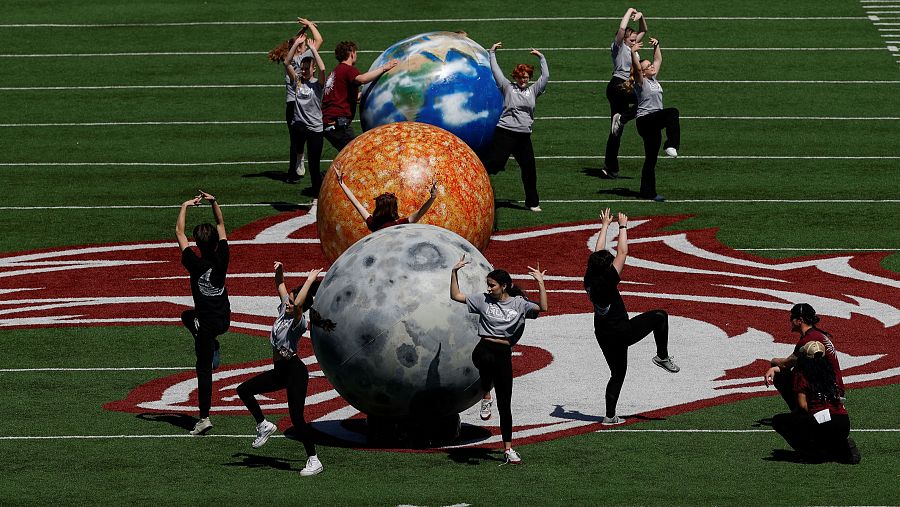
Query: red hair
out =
(523, 69)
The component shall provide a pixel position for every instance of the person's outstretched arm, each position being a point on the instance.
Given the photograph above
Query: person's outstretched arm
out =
(415, 217)
(217, 214)
(317, 39)
(501, 80)
(642, 25)
(621, 244)
(657, 55)
(605, 220)
(289, 58)
(304, 292)
(620, 35)
(538, 276)
(455, 293)
(374, 74)
(279, 281)
(319, 63)
(179, 222)
(363, 212)
(541, 84)
(636, 63)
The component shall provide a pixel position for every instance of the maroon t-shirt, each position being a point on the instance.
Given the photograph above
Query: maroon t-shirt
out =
(341, 92)
(814, 335)
(816, 402)
(370, 223)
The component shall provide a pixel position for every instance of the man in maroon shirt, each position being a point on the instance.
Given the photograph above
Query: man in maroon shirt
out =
(342, 93)
(780, 374)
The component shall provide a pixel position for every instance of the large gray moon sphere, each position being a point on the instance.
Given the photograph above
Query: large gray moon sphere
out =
(388, 336)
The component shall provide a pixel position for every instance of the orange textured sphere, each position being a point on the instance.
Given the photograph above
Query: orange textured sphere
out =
(404, 158)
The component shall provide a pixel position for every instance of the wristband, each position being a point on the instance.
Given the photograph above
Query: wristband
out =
(623, 227)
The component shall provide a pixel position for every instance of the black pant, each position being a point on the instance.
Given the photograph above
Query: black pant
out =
(784, 383)
(296, 149)
(205, 343)
(518, 144)
(340, 133)
(649, 127)
(614, 340)
(624, 103)
(826, 441)
(494, 363)
(313, 141)
(292, 375)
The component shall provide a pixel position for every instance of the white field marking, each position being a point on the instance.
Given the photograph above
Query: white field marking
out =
(379, 51)
(161, 368)
(570, 81)
(214, 435)
(549, 118)
(437, 20)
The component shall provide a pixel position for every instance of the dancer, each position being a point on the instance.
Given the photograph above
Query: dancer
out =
(342, 94)
(211, 315)
(385, 213)
(803, 320)
(307, 123)
(502, 311)
(652, 118)
(819, 427)
(289, 372)
(622, 100)
(513, 132)
(290, 53)
(614, 330)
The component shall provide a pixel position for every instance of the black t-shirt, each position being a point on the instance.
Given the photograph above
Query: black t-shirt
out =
(604, 294)
(208, 282)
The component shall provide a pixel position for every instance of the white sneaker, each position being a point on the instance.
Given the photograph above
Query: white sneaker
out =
(672, 152)
(313, 467)
(616, 126)
(512, 457)
(202, 426)
(666, 364)
(263, 431)
(536, 209)
(300, 169)
(486, 409)
(612, 421)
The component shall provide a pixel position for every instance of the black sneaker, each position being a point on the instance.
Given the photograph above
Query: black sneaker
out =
(853, 457)
(607, 174)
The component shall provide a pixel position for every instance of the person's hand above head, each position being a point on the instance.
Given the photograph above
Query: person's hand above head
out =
(636, 15)
(462, 262)
(305, 22)
(622, 219)
(193, 202)
(654, 41)
(496, 46)
(209, 197)
(536, 273)
(313, 274)
(605, 217)
(433, 190)
(277, 266)
(636, 47)
(536, 53)
(339, 175)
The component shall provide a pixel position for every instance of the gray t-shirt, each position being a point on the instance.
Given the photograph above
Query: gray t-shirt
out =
(308, 108)
(288, 84)
(286, 331)
(649, 95)
(501, 319)
(518, 104)
(621, 57)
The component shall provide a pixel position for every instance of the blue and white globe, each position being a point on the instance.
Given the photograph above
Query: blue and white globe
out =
(443, 79)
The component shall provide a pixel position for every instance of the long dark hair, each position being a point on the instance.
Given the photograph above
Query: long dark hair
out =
(502, 278)
(385, 210)
(820, 376)
(207, 238)
(597, 264)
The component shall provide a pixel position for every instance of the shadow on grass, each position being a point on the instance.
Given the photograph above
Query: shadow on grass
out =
(508, 203)
(595, 172)
(621, 192)
(764, 422)
(242, 459)
(791, 456)
(474, 456)
(183, 421)
(288, 206)
(272, 175)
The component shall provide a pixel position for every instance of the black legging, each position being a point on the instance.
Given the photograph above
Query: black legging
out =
(623, 102)
(205, 343)
(494, 363)
(518, 144)
(295, 149)
(292, 375)
(313, 141)
(649, 127)
(615, 339)
(823, 441)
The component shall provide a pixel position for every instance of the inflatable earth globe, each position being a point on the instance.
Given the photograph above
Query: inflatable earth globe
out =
(385, 331)
(443, 79)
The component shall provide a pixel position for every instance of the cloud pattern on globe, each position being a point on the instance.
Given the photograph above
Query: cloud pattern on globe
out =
(443, 79)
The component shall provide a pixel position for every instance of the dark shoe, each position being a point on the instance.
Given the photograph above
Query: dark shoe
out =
(607, 174)
(853, 457)
(292, 181)
(657, 198)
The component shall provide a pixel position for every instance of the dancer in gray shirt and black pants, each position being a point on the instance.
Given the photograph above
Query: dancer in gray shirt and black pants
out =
(513, 132)
(652, 118)
(502, 311)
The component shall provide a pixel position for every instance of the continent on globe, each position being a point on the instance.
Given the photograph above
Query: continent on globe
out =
(443, 79)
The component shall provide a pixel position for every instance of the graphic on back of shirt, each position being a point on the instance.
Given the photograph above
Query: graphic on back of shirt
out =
(206, 286)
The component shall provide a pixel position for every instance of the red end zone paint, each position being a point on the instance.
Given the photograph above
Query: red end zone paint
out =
(728, 316)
